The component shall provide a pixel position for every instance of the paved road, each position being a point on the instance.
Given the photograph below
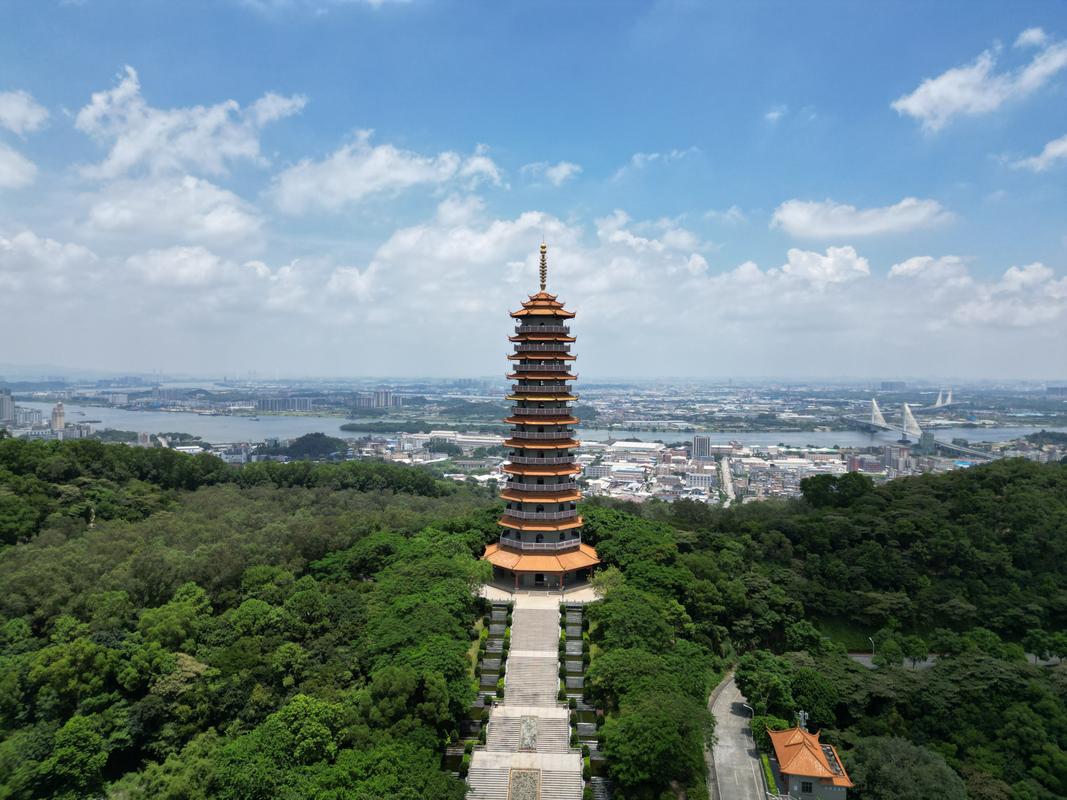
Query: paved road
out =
(727, 481)
(735, 763)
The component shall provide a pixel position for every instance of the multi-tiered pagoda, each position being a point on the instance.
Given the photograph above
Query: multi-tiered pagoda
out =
(541, 543)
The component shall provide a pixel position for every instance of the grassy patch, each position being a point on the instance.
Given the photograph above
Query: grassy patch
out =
(472, 651)
(849, 634)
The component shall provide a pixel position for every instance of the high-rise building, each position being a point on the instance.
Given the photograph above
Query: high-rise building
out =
(7, 406)
(59, 418)
(541, 544)
(702, 448)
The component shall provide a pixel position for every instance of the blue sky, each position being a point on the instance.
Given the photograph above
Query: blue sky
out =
(309, 187)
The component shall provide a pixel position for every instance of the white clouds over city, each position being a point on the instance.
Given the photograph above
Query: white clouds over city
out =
(827, 219)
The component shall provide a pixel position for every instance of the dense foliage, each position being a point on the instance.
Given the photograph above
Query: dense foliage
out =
(174, 627)
(310, 446)
(967, 565)
(246, 640)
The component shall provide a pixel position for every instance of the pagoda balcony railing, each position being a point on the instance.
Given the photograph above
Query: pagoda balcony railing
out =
(548, 462)
(561, 411)
(551, 388)
(519, 486)
(566, 544)
(542, 329)
(569, 514)
(543, 347)
(541, 434)
(539, 367)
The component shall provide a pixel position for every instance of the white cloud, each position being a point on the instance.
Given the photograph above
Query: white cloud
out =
(1031, 37)
(731, 216)
(977, 88)
(641, 161)
(180, 266)
(16, 170)
(1053, 153)
(203, 138)
(827, 219)
(30, 264)
(20, 113)
(555, 174)
(315, 7)
(837, 265)
(359, 169)
(178, 207)
(929, 268)
(776, 113)
(1025, 297)
(352, 282)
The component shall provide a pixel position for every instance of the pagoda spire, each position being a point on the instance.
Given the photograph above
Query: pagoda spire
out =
(544, 265)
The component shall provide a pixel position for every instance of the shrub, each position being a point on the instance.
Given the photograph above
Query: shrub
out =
(483, 732)
(500, 687)
(762, 724)
(585, 751)
(468, 747)
(574, 738)
(768, 773)
(562, 694)
(465, 765)
(574, 716)
(587, 793)
(587, 768)
(572, 702)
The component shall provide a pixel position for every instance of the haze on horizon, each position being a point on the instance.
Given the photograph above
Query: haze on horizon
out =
(335, 187)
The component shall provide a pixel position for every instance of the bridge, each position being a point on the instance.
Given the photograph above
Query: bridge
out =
(876, 423)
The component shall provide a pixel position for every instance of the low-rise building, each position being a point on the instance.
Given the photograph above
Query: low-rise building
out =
(807, 769)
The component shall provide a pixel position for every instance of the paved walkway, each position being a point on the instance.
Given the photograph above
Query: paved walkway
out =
(733, 764)
(528, 754)
(549, 598)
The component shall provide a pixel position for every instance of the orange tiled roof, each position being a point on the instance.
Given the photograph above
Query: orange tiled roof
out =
(542, 304)
(541, 337)
(567, 561)
(540, 497)
(564, 419)
(539, 525)
(801, 753)
(542, 355)
(563, 443)
(536, 470)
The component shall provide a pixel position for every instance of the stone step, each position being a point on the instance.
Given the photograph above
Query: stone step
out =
(488, 783)
(505, 734)
(561, 785)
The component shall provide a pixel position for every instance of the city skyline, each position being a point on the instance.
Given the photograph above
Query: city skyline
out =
(834, 192)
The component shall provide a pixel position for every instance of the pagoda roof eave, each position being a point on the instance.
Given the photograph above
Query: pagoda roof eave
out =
(563, 443)
(520, 496)
(543, 311)
(519, 375)
(541, 337)
(553, 564)
(544, 355)
(541, 472)
(542, 420)
(543, 398)
(539, 525)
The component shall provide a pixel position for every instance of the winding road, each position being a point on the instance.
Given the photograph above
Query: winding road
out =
(733, 765)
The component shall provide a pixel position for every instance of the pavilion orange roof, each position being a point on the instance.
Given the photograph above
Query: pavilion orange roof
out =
(802, 754)
(553, 563)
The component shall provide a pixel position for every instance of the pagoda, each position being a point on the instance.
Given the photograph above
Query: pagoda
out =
(541, 545)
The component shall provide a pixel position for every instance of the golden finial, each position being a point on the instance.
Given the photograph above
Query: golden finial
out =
(544, 265)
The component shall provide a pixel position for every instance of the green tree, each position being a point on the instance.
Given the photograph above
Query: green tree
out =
(75, 767)
(890, 768)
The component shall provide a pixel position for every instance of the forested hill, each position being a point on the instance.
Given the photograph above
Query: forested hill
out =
(282, 631)
(172, 627)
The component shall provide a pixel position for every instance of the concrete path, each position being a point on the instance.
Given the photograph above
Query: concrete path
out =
(733, 764)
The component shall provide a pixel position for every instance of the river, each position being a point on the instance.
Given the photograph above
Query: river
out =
(217, 429)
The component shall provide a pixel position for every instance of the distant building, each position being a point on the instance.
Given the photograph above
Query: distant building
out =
(702, 448)
(28, 416)
(143, 439)
(283, 404)
(893, 386)
(1056, 391)
(806, 768)
(702, 480)
(59, 418)
(7, 406)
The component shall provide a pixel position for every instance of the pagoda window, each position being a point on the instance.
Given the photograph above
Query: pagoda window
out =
(540, 508)
(539, 538)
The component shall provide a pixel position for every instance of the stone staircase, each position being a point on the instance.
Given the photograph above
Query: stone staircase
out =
(531, 684)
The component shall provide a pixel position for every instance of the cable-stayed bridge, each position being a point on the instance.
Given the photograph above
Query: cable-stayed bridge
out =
(909, 427)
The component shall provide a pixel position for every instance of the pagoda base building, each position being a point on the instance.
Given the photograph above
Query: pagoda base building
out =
(541, 544)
